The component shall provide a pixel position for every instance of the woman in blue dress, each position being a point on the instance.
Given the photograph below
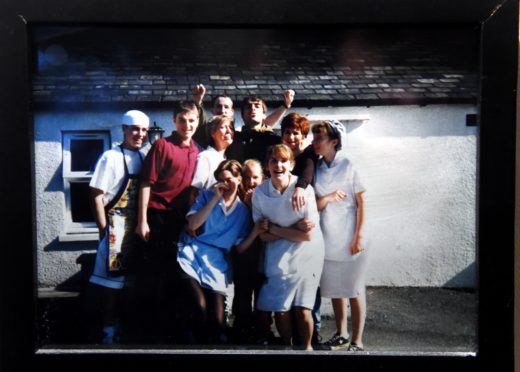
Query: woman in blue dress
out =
(221, 221)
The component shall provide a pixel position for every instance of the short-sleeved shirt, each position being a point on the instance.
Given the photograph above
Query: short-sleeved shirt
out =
(207, 162)
(169, 167)
(206, 257)
(110, 171)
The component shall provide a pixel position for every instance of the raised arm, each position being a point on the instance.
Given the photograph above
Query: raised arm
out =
(276, 115)
(196, 219)
(197, 94)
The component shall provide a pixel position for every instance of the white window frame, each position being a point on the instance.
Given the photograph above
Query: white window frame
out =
(78, 231)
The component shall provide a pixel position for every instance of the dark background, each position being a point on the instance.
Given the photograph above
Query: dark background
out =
(497, 21)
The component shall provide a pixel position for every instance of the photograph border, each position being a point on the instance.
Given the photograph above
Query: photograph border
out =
(498, 23)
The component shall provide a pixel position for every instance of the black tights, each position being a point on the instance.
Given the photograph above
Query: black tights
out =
(205, 309)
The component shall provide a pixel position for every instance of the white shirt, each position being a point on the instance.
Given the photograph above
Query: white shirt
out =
(110, 171)
(207, 162)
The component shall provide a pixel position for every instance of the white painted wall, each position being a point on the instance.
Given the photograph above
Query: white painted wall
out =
(417, 163)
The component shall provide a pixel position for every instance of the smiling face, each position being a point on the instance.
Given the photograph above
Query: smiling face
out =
(253, 175)
(293, 138)
(223, 106)
(222, 133)
(186, 123)
(134, 136)
(280, 164)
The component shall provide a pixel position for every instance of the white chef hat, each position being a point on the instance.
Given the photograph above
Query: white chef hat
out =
(135, 117)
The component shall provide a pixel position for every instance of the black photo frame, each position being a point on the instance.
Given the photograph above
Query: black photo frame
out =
(497, 21)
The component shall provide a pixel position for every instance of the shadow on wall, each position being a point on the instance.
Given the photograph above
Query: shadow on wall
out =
(78, 281)
(464, 279)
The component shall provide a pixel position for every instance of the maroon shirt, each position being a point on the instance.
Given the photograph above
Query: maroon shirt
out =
(168, 168)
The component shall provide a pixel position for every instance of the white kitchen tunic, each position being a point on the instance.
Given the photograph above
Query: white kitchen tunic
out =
(343, 273)
(293, 269)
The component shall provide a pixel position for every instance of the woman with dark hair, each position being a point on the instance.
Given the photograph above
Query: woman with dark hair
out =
(340, 200)
(222, 222)
(295, 128)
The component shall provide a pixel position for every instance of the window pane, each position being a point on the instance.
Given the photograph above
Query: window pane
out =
(79, 202)
(84, 154)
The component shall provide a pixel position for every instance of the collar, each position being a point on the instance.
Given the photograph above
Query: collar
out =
(275, 193)
(222, 205)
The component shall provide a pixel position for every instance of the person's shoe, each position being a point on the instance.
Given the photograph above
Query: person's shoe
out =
(354, 347)
(316, 339)
(336, 342)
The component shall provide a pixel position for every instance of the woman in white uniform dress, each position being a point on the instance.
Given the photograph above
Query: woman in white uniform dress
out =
(293, 253)
(340, 201)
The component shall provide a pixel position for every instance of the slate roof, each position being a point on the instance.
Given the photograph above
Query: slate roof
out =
(342, 66)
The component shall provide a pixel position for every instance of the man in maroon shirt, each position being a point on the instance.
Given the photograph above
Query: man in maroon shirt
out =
(163, 203)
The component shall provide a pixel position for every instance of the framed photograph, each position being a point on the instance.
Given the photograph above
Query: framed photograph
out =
(426, 93)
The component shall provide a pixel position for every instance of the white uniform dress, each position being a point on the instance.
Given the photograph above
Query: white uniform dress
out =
(109, 177)
(343, 273)
(207, 162)
(292, 269)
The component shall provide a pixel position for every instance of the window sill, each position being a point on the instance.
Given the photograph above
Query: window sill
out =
(79, 237)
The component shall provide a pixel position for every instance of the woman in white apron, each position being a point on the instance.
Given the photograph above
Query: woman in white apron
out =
(340, 201)
(114, 190)
(293, 256)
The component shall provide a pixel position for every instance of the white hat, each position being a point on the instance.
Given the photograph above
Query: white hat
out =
(135, 117)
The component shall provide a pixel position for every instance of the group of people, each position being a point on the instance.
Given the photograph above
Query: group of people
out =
(208, 206)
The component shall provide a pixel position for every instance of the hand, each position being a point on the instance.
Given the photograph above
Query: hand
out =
(305, 225)
(356, 246)
(261, 226)
(190, 232)
(143, 230)
(248, 195)
(219, 188)
(288, 97)
(298, 199)
(198, 93)
(336, 196)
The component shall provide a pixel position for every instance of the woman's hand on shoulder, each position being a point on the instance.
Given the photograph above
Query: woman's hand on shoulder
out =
(298, 199)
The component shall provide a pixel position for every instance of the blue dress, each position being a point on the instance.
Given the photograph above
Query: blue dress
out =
(206, 257)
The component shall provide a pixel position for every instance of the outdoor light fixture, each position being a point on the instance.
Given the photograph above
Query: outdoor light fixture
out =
(154, 133)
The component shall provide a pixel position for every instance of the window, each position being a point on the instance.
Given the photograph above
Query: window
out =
(81, 151)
